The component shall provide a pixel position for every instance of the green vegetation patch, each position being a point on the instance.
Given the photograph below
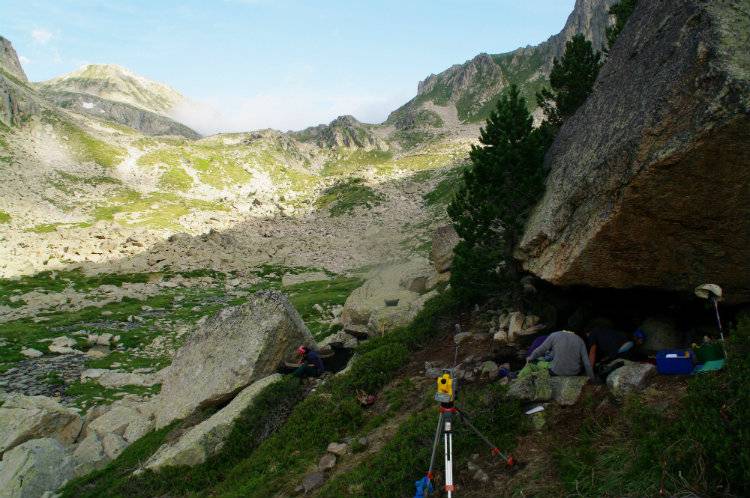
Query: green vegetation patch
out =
(156, 210)
(87, 148)
(4, 217)
(325, 293)
(348, 162)
(345, 196)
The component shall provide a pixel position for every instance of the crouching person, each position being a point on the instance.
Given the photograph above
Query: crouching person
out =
(310, 363)
(569, 355)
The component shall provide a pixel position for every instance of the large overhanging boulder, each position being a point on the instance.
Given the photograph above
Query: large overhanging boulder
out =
(228, 352)
(649, 182)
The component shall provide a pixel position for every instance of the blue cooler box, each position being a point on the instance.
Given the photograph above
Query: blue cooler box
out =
(675, 361)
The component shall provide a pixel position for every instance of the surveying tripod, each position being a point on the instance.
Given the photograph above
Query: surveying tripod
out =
(445, 395)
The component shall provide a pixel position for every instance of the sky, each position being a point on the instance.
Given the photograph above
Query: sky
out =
(284, 64)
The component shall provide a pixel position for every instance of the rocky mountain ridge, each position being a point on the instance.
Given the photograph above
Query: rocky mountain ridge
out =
(474, 86)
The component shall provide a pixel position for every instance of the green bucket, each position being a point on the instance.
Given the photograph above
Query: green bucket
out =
(709, 352)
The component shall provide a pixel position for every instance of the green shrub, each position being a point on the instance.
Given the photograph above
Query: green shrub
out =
(345, 196)
(4, 217)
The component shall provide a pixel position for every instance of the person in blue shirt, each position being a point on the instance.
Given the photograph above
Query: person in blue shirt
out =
(310, 363)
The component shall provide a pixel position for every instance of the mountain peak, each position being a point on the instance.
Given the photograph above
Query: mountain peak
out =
(9, 60)
(119, 84)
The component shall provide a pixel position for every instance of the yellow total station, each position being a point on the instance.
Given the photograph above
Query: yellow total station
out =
(444, 388)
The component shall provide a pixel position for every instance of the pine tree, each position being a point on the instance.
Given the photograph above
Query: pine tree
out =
(572, 79)
(502, 184)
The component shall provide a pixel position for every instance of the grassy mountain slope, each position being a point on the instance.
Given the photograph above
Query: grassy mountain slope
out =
(116, 83)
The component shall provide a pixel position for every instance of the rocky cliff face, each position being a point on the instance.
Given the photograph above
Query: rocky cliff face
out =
(650, 180)
(474, 86)
(118, 84)
(9, 60)
(147, 122)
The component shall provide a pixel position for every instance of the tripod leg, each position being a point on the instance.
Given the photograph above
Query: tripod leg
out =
(435, 443)
(495, 450)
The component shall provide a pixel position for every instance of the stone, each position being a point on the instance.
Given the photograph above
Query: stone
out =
(31, 353)
(501, 336)
(113, 445)
(34, 468)
(444, 240)
(327, 462)
(630, 377)
(63, 345)
(489, 370)
(229, 351)
(208, 437)
(661, 333)
(338, 449)
(117, 420)
(534, 387)
(340, 338)
(290, 279)
(313, 481)
(89, 455)
(648, 181)
(30, 417)
(461, 337)
(515, 324)
(567, 390)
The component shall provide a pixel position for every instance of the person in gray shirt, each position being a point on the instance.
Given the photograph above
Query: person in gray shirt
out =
(568, 354)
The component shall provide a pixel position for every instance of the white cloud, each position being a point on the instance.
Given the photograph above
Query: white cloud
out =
(41, 36)
(24, 60)
(290, 110)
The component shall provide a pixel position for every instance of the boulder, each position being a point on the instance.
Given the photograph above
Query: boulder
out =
(489, 370)
(540, 386)
(366, 305)
(113, 445)
(34, 468)
(29, 417)
(89, 455)
(515, 324)
(327, 462)
(444, 240)
(649, 180)
(130, 421)
(630, 377)
(340, 338)
(229, 351)
(207, 438)
(313, 481)
(567, 390)
(339, 449)
(31, 353)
